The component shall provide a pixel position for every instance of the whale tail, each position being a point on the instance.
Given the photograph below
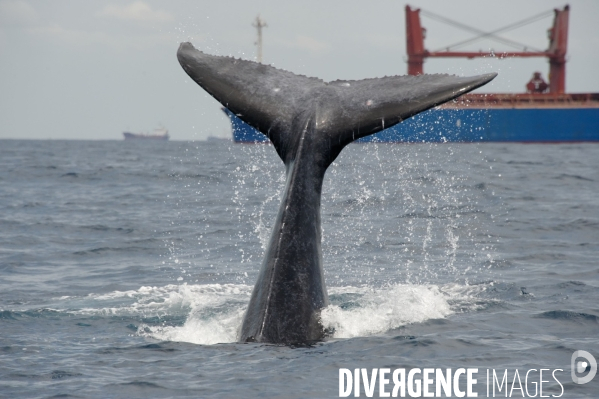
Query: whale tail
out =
(268, 98)
(309, 122)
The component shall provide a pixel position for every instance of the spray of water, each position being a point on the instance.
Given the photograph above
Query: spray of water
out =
(402, 228)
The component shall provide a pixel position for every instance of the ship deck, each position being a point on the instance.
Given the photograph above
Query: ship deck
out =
(525, 100)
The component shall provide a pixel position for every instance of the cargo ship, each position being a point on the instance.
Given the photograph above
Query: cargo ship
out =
(157, 134)
(544, 114)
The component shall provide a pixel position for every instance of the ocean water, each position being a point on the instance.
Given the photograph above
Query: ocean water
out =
(126, 267)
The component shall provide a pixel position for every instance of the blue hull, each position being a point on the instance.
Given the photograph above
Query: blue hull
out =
(534, 125)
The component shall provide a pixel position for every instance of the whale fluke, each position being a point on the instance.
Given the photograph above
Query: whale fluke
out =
(309, 121)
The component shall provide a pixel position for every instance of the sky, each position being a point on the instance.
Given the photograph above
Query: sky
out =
(89, 70)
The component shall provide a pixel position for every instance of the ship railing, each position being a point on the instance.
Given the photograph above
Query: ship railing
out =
(525, 100)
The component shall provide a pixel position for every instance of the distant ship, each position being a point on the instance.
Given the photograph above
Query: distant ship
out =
(157, 134)
(218, 139)
(544, 114)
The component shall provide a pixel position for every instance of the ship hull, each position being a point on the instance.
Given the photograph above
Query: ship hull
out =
(528, 125)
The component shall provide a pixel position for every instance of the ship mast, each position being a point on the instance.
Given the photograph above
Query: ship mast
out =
(259, 23)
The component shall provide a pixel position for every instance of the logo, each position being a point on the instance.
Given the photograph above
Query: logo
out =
(580, 366)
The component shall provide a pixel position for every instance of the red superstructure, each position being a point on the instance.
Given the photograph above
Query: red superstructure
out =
(556, 53)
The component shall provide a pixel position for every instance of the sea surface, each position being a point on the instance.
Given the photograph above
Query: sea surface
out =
(126, 267)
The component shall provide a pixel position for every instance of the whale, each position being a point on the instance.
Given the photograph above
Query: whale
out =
(309, 121)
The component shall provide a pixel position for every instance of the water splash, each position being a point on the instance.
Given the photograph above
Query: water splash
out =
(404, 217)
(363, 311)
(213, 313)
(367, 311)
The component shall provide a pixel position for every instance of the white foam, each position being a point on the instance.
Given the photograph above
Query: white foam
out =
(200, 330)
(384, 309)
(213, 313)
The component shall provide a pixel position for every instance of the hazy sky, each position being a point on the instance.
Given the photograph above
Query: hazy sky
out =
(72, 69)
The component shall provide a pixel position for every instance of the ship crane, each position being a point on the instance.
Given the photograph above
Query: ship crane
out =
(556, 53)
